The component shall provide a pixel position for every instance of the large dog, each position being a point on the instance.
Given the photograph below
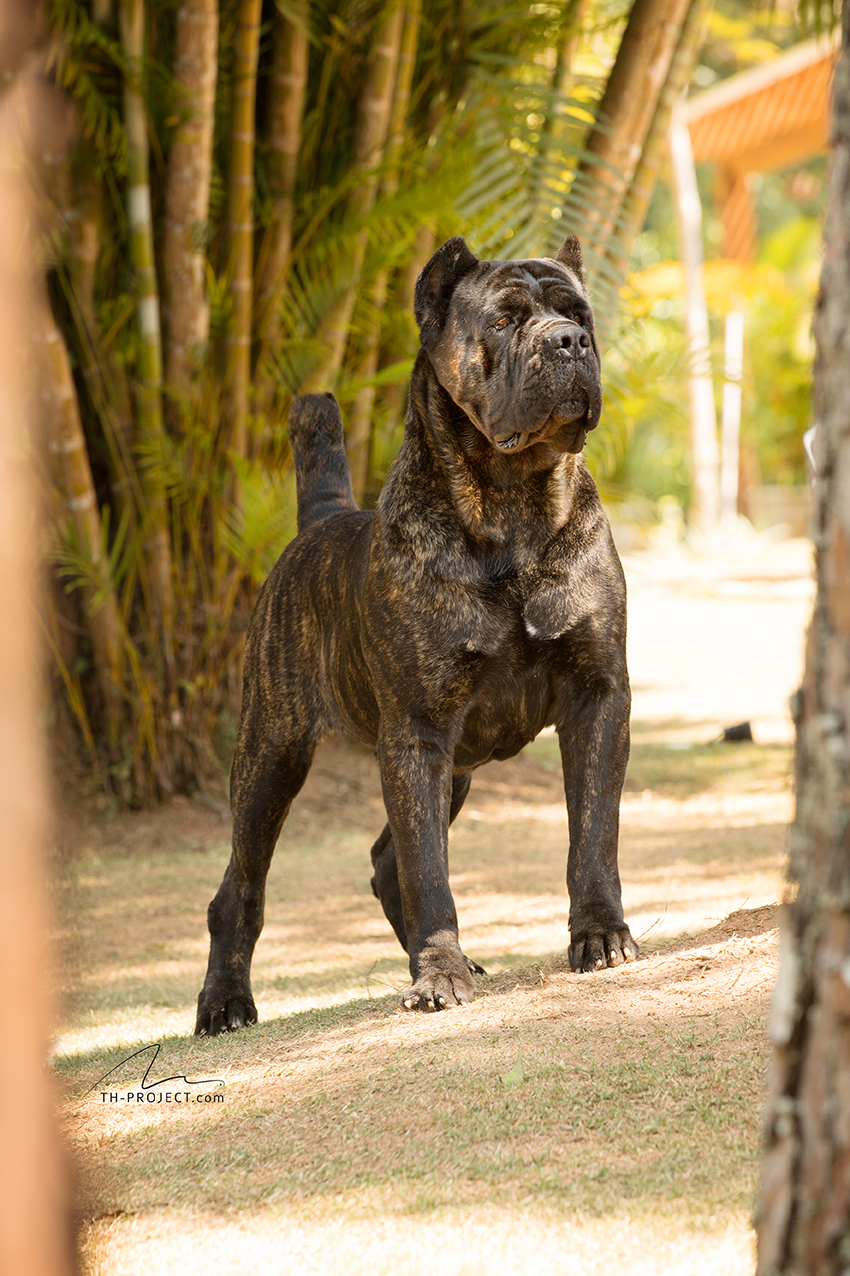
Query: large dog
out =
(482, 601)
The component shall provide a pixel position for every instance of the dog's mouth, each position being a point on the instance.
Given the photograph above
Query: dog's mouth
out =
(507, 445)
(571, 411)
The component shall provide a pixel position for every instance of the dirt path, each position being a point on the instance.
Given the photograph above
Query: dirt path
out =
(562, 1122)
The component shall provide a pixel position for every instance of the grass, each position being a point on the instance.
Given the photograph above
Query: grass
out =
(685, 771)
(346, 1096)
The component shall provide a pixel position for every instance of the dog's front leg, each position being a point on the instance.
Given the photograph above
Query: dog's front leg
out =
(416, 777)
(594, 737)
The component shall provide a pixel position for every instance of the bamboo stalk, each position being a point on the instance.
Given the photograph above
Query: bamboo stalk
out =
(188, 192)
(149, 385)
(359, 431)
(240, 222)
(574, 19)
(373, 120)
(423, 250)
(67, 443)
(290, 55)
(105, 377)
(626, 111)
(638, 196)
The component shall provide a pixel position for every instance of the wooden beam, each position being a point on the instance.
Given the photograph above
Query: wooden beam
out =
(738, 215)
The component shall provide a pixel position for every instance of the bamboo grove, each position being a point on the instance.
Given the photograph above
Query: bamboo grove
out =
(247, 195)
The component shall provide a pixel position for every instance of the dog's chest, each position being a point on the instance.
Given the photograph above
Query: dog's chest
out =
(510, 703)
(511, 613)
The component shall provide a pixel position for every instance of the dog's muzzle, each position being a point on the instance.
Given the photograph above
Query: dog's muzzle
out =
(566, 351)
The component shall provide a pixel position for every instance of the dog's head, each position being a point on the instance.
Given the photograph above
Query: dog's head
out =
(513, 343)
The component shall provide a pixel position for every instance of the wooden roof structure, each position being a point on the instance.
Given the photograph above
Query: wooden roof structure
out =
(762, 120)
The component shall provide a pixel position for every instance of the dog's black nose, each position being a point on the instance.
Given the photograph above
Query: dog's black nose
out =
(573, 341)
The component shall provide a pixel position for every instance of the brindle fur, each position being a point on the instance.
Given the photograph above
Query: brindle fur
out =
(482, 601)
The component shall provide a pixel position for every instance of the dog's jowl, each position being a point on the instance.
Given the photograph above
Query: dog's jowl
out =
(482, 601)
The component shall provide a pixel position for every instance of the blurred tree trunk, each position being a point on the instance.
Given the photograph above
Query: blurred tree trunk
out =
(373, 120)
(240, 221)
(188, 192)
(149, 393)
(637, 198)
(625, 114)
(81, 201)
(290, 56)
(36, 1223)
(360, 418)
(803, 1213)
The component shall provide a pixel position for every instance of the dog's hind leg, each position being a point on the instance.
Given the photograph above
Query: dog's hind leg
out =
(268, 771)
(385, 885)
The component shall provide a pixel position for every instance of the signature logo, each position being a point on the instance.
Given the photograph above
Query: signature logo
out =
(152, 1091)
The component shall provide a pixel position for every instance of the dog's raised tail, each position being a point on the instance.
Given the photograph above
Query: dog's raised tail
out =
(322, 473)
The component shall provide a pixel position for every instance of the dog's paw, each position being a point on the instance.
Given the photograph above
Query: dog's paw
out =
(217, 1014)
(445, 980)
(594, 950)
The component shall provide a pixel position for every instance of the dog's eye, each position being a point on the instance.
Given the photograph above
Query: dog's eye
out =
(500, 324)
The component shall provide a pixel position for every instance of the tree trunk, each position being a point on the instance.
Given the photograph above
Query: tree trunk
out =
(359, 431)
(149, 394)
(395, 397)
(373, 119)
(637, 198)
(188, 192)
(803, 1214)
(290, 56)
(625, 113)
(240, 220)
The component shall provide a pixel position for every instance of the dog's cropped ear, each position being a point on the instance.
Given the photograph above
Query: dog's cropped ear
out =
(569, 255)
(435, 286)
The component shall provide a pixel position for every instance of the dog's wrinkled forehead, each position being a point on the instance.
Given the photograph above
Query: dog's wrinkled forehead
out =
(454, 270)
(511, 283)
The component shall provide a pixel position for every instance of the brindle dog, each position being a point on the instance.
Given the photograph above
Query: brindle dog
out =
(482, 601)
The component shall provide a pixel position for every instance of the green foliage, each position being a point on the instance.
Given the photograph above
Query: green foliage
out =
(649, 404)
(256, 532)
(779, 368)
(646, 414)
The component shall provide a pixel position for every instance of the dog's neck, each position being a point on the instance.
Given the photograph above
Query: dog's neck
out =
(497, 497)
